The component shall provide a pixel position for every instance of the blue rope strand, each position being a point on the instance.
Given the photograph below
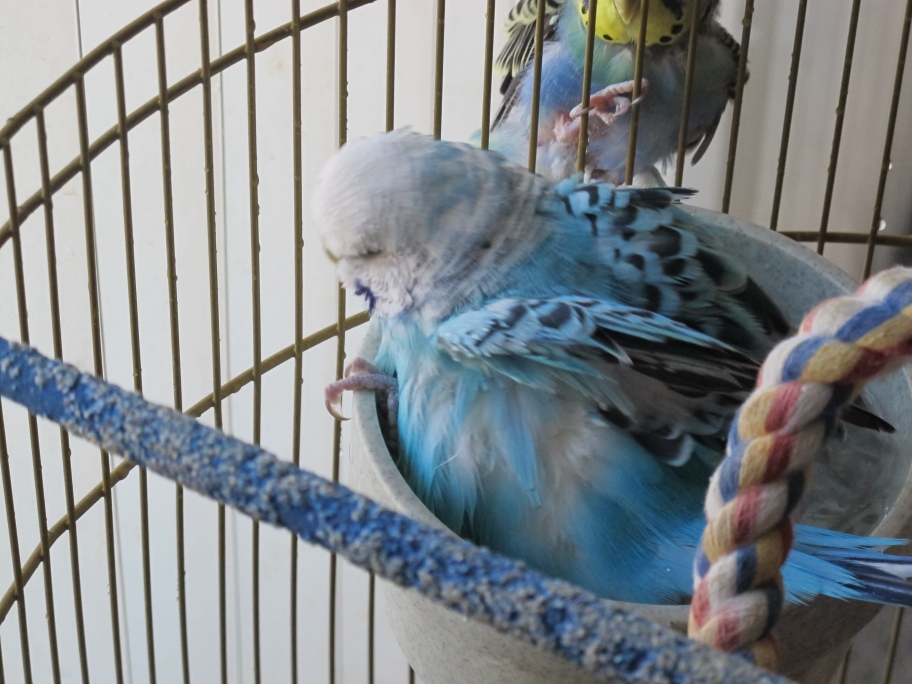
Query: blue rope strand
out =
(472, 581)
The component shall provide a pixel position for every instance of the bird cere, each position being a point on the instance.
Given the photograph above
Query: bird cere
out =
(567, 360)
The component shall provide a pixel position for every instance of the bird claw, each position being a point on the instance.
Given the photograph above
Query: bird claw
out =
(601, 103)
(359, 375)
(566, 129)
(333, 397)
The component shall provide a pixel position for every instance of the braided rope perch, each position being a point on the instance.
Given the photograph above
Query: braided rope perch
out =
(802, 387)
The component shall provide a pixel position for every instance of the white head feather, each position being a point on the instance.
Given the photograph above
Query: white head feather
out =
(414, 222)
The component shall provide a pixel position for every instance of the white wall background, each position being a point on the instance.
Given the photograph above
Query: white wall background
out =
(40, 39)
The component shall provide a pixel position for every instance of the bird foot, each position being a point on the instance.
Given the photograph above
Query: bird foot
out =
(603, 176)
(566, 130)
(361, 375)
(609, 103)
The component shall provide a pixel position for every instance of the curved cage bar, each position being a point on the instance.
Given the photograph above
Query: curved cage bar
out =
(242, 397)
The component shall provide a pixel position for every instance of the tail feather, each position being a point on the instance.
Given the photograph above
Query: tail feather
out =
(830, 541)
(846, 566)
(881, 586)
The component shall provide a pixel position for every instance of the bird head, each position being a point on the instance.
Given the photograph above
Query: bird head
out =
(618, 21)
(413, 222)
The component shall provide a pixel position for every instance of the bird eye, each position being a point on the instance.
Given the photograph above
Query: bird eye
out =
(367, 254)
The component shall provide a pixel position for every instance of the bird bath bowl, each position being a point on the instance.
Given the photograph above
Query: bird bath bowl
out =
(444, 648)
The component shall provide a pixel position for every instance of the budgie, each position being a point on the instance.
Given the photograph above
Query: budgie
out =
(568, 358)
(617, 30)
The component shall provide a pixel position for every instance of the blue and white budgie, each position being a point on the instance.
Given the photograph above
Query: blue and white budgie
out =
(617, 30)
(568, 359)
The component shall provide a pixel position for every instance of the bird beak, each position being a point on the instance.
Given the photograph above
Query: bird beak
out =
(628, 10)
(332, 257)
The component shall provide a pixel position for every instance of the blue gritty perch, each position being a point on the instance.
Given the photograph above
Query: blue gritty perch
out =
(472, 581)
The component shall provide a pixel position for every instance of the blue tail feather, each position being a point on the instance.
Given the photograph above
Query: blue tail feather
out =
(880, 586)
(846, 566)
(830, 539)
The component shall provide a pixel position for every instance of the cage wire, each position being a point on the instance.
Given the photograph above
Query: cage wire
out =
(124, 588)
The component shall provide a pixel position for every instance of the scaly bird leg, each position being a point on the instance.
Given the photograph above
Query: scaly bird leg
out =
(602, 102)
(363, 375)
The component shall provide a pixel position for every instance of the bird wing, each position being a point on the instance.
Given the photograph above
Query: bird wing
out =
(662, 263)
(704, 139)
(519, 50)
(520, 45)
(726, 40)
(663, 260)
(660, 380)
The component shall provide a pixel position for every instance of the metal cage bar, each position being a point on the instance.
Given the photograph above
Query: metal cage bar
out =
(789, 110)
(840, 119)
(130, 257)
(19, 578)
(206, 72)
(171, 255)
(340, 328)
(57, 336)
(390, 64)
(536, 84)
(637, 92)
(19, 270)
(688, 94)
(438, 67)
(253, 177)
(746, 24)
(583, 143)
(98, 360)
(488, 76)
(390, 124)
(297, 153)
(888, 142)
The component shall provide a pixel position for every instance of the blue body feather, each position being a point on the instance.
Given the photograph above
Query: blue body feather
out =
(627, 527)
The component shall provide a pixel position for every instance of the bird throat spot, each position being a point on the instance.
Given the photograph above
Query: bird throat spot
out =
(363, 290)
